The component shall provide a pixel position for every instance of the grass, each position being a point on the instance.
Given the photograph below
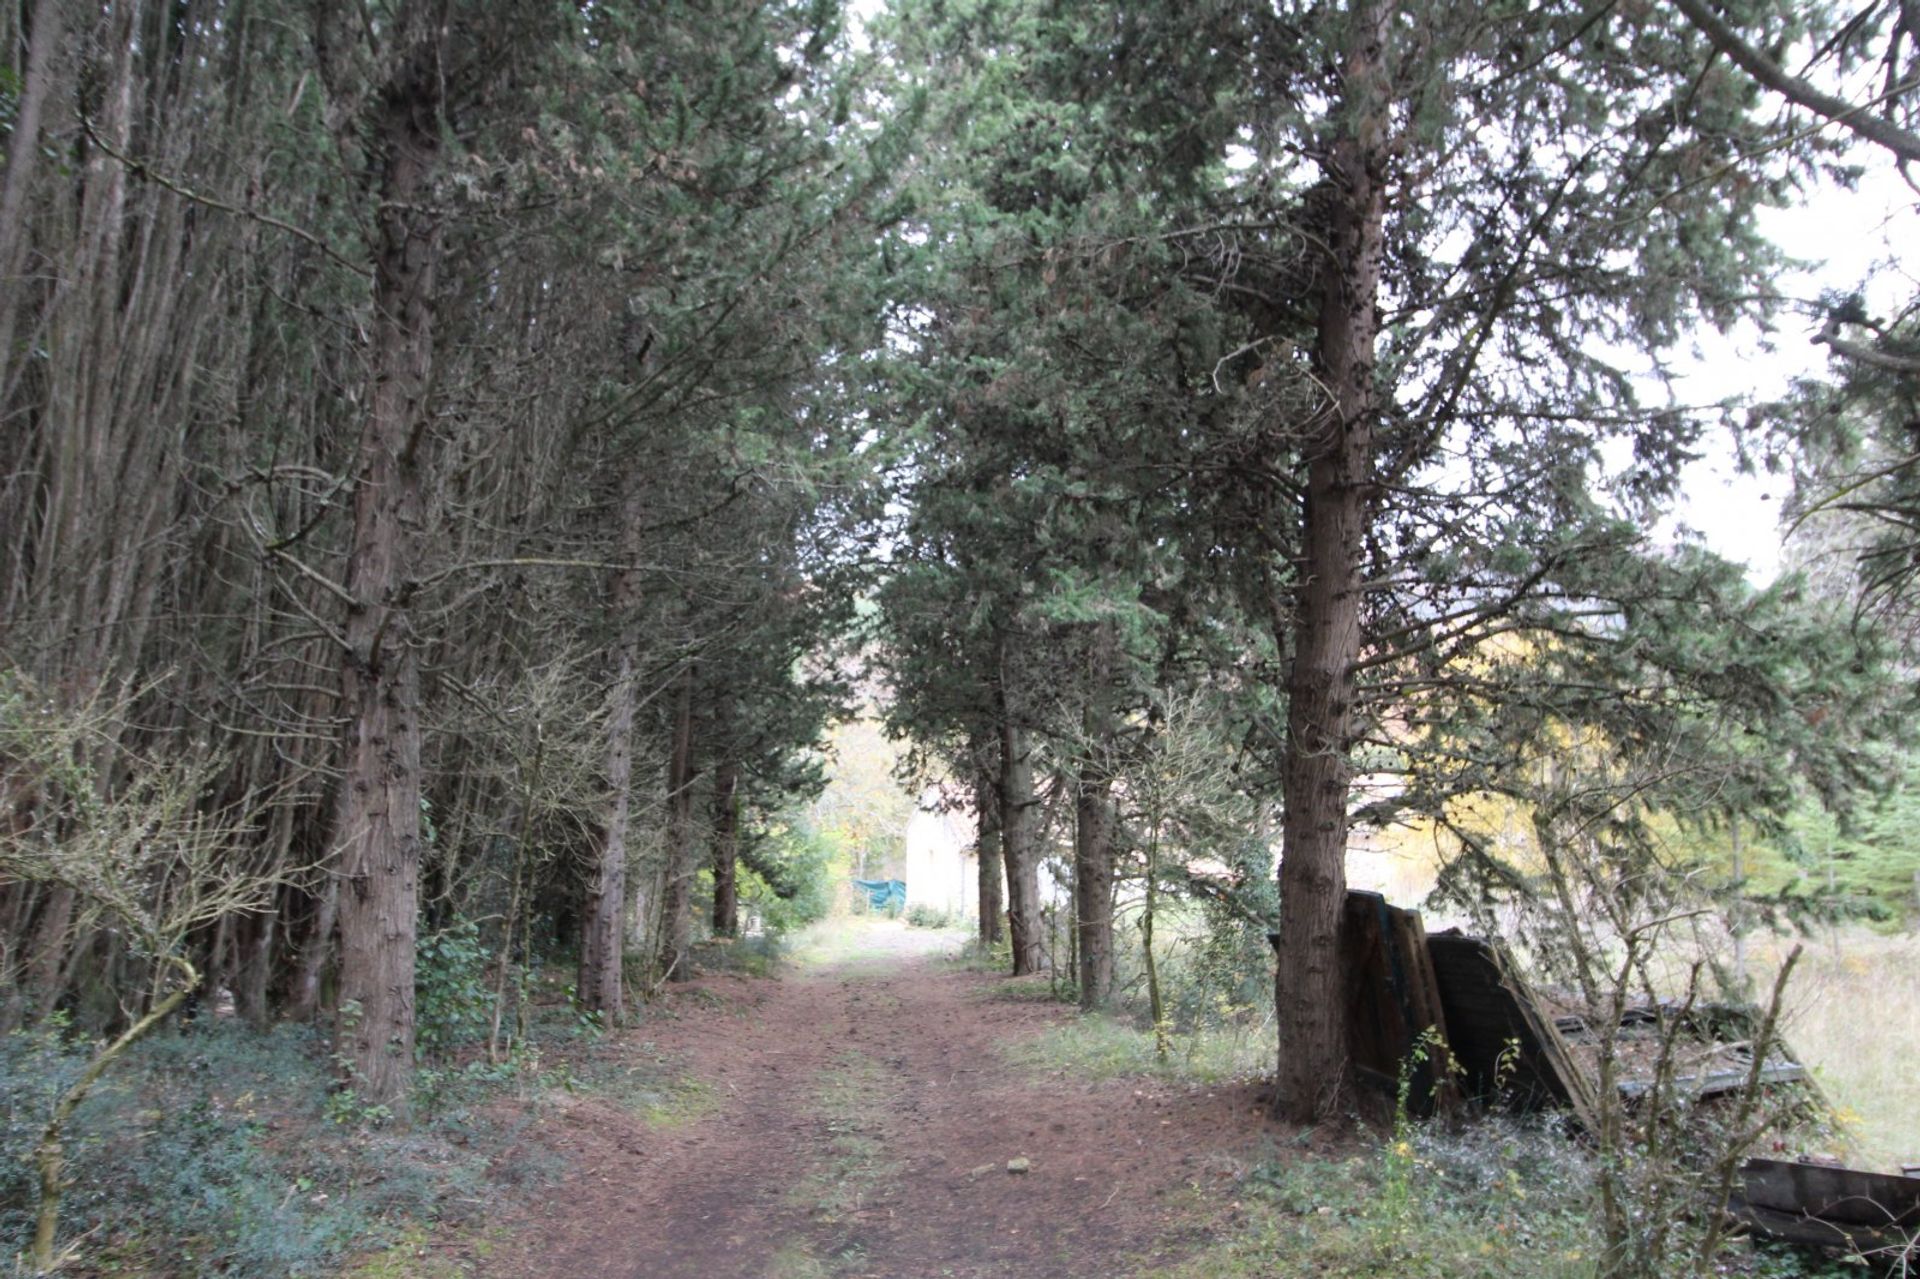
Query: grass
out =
(1505, 1201)
(867, 945)
(1095, 1046)
(1855, 1019)
(849, 1101)
(415, 1254)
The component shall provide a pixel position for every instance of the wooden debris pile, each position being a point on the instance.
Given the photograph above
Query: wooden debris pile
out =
(1408, 991)
(1512, 1044)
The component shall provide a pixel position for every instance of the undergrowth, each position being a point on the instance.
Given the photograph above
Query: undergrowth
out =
(1503, 1201)
(1499, 1198)
(211, 1151)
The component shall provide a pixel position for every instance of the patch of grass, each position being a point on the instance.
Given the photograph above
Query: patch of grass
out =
(865, 945)
(636, 1076)
(1501, 1203)
(850, 1105)
(1096, 1046)
(1855, 1019)
(759, 956)
(1501, 1198)
(416, 1254)
(836, 942)
(683, 1102)
(796, 1261)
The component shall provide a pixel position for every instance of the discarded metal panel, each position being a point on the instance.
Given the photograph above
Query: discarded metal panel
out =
(1875, 1214)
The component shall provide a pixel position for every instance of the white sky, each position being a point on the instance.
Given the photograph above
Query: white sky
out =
(1848, 239)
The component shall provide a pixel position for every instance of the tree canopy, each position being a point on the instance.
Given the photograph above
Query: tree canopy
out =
(499, 443)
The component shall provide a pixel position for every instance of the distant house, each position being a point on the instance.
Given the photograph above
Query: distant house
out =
(942, 869)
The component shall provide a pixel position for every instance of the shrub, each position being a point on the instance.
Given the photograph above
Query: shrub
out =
(452, 1005)
(925, 916)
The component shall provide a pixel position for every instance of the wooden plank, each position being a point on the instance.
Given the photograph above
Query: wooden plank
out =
(1815, 1232)
(1846, 1195)
(1423, 990)
(1391, 999)
(1505, 1046)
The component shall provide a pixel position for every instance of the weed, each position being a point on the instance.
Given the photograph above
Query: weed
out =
(925, 916)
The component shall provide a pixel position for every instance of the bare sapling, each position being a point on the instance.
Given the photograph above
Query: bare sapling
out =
(143, 850)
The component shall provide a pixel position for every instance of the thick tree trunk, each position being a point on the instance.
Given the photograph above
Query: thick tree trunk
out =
(1019, 845)
(676, 907)
(1326, 636)
(1093, 831)
(378, 823)
(253, 972)
(986, 811)
(726, 850)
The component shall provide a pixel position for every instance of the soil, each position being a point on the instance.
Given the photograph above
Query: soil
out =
(859, 1118)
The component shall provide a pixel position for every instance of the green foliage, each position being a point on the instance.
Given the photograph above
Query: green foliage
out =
(921, 915)
(209, 1152)
(1495, 1201)
(452, 1005)
(805, 867)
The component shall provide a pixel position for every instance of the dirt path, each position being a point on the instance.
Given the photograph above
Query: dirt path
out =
(858, 1121)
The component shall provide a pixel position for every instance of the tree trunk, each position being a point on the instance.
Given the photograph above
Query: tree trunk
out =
(602, 983)
(1317, 767)
(676, 907)
(1019, 817)
(378, 823)
(254, 972)
(23, 155)
(303, 999)
(1093, 831)
(47, 952)
(986, 809)
(726, 849)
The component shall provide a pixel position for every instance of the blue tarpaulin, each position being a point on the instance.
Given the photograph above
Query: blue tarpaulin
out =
(884, 894)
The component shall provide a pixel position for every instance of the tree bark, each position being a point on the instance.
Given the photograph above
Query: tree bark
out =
(379, 807)
(726, 850)
(1019, 843)
(303, 998)
(986, 811)
(676, 907)
(23, 155)
(1093, 831)
(1326, 633)
(47, 952)
(602, 981)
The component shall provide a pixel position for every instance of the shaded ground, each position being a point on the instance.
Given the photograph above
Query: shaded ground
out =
(854, 1119)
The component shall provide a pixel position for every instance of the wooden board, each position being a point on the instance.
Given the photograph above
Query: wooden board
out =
(1508, 1050)
(1830, 1207)
(1392, 1000)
